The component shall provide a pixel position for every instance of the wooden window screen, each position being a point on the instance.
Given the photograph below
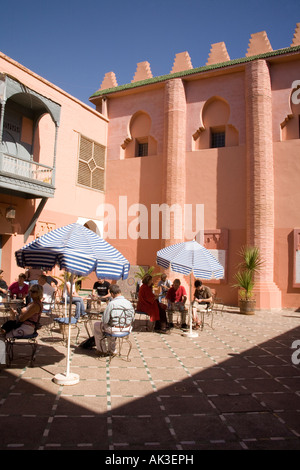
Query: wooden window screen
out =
(217, 139)
(91, 165)
(143, 149)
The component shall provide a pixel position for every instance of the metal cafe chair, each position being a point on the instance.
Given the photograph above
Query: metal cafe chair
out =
(215, 308)
(125, 318)
(48, 310)
(26, 340)
(141, 315)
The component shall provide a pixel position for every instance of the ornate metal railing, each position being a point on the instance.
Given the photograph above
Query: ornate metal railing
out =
(23, 168)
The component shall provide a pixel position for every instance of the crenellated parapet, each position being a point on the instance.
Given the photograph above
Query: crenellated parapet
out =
(258, 44)
(182, 62)
(109, 81)
(296, 38)
(218, 54)
(143, 71)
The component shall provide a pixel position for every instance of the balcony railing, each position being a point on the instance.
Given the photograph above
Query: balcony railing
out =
(31, 176)
(18, 166)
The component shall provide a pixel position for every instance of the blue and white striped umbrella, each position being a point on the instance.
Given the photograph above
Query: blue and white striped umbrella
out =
(190, 257)
(187, 258)
(77, 250)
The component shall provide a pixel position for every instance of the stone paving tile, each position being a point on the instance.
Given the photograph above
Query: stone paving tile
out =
(77, 432)
(260, 384)
(235, 403)
(200, 428)
(257, 425)
(22, 432)
(232, 387)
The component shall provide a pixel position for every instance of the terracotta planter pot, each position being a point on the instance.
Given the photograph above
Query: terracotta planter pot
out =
(247, 307)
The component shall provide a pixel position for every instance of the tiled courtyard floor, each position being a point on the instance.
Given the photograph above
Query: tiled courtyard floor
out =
(232, 387)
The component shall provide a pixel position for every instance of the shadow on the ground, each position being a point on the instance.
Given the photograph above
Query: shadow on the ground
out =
(249, 401)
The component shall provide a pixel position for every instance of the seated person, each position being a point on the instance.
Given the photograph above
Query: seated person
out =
(76, 299)
(110, 320)
(148, 303)
(19, 288)
(202, 298)
(26, 321)
(3, 286)
(164, 285)
(32, 275)
(177, 297)
(48, 292)
(101, 290)
(52, 281)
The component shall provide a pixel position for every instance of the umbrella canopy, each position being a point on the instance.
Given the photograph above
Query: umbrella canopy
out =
(187, 258)
(79, 251)
(190, 257)
(76, 249)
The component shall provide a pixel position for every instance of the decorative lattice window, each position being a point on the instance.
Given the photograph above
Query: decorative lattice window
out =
(143, 149)
(91, 165)
(217, 139)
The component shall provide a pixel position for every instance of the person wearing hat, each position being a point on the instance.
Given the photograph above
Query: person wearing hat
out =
(3, 285)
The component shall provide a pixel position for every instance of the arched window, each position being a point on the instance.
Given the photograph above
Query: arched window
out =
(215, 131)
(139, 142)
(290, 127)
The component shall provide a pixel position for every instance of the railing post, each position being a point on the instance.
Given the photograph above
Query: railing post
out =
(54, 156)
(3, 103)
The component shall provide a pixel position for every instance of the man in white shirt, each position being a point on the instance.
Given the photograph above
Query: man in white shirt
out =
(48, 292)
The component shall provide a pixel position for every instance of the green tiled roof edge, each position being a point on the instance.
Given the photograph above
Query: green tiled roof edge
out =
(204, 68)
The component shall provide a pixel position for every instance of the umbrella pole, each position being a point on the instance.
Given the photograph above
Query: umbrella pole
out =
(69, 326)
(68, 378)
(191, 333)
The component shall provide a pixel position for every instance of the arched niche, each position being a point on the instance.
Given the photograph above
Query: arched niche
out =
(290, 127)
(215, 128)
(22, 112)
(139, 142)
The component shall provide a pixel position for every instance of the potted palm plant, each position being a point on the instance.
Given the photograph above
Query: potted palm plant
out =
(141, 273)
(244, 278)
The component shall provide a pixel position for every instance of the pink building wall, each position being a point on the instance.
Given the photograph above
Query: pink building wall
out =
(249, 188)
(207, 175)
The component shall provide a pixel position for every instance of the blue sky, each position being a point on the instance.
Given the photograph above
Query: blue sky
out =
(74, 43)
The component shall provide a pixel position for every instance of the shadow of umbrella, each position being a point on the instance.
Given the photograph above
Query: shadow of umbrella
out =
(79, 251)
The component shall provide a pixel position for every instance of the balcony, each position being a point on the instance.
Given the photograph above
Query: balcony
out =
(25, 178)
